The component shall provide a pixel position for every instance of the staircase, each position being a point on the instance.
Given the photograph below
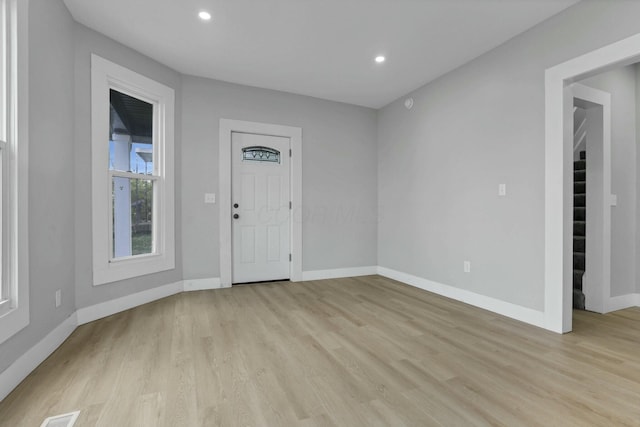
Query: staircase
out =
(579, 227)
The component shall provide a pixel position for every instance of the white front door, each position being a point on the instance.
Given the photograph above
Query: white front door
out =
(260, 207)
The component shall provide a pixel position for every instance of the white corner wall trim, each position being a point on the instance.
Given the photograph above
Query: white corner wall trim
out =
(203, 284)
(107, 308)
(21, 368)
(523, 314)
(621, 302)
(339, 273)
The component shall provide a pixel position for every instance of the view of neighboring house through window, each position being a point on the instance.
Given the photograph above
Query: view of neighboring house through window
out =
(132, 173)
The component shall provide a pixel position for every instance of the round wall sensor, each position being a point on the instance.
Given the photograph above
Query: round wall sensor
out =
(408, 103)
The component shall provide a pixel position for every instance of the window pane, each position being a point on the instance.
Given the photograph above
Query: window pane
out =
(132, 217)
(130, 134)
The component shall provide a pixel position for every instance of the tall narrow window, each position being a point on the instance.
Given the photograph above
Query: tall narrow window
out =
(132, 162)
(133, 175)
(14, 269)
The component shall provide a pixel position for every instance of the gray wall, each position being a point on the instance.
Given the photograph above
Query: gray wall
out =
(483, 124)
(86, 42)
(339, 154)
(426, 198)
(339, 172)
(621, 84)
(51, 175)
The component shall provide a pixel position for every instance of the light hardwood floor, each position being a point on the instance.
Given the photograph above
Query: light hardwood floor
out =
(350, 352)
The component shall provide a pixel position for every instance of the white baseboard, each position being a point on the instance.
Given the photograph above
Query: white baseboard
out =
(21, 368)
(338, 273)
(524, 314)
(202, 284)
(623, 301)
(107, 308)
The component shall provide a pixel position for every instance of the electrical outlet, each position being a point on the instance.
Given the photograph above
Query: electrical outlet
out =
(467, 266)
(502, 190)
(209, 197)
(58, 298)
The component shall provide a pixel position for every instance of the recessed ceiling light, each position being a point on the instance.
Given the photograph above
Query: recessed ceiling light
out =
(205, 16)
(380, 59)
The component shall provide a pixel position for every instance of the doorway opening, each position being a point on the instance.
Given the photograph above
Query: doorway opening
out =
(591, 198)
(559, 103)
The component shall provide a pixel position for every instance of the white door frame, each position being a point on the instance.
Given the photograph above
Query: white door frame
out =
(295, 136)
(558, 171)
(598, 286)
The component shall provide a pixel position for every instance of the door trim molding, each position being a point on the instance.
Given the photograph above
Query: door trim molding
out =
(558, 171)
(228, 126)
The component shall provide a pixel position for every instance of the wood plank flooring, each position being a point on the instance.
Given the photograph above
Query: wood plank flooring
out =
(364, 351)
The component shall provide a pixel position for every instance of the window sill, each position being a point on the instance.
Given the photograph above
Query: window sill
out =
(5, 307)
(13, 321)
(132, 267)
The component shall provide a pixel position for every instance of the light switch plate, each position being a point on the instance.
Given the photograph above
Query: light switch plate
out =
(209, 197)
(614, 200)
(502, 189)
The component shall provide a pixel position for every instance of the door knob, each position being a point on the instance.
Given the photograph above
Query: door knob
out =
(236, 216)
(235, 205)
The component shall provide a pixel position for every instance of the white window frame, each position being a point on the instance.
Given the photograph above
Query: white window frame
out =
(106, 75)
(14, 257)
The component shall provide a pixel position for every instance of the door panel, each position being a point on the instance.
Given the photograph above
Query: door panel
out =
(273, 192)
(247, 196)
(273, 243)
(261, 190)
(248, 244)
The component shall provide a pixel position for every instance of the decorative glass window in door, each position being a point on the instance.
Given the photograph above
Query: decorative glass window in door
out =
(260, 154)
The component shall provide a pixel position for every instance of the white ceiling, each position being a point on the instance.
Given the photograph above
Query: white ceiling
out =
(321, 48)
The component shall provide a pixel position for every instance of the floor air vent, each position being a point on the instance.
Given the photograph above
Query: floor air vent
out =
(64, 420)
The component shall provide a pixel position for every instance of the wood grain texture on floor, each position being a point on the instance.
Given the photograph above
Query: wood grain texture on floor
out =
(364, 351)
